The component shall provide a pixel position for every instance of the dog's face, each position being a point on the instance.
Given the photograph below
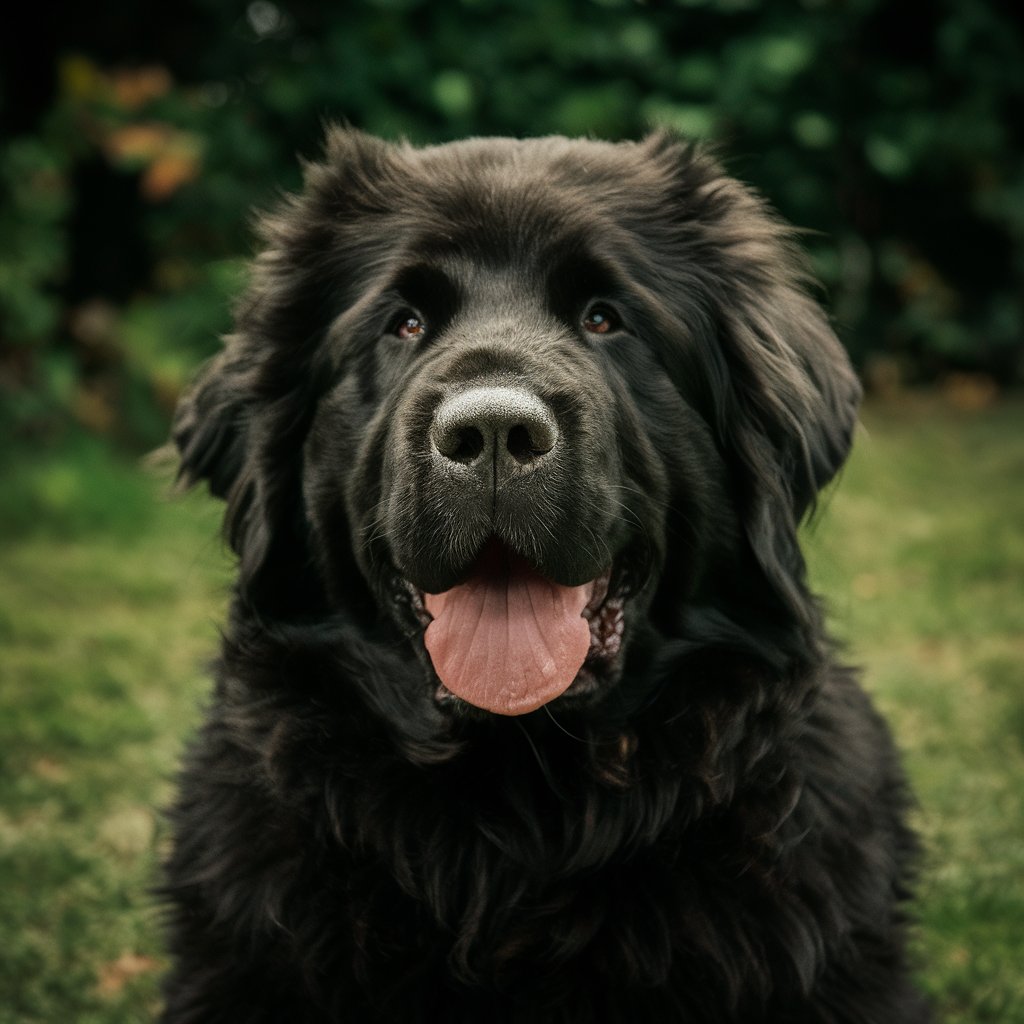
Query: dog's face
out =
(525, 401)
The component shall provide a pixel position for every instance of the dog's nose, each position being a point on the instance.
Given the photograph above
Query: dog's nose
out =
(508, 427)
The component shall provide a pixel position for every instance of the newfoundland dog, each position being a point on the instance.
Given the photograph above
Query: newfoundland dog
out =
(524, 711)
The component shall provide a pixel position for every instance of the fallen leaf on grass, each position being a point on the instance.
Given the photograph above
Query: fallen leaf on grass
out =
(112, 977)
(50, 770)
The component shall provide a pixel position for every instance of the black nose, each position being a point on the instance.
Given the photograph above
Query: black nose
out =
(507, 427)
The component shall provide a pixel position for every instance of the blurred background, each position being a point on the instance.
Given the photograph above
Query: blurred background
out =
(135, 142)
(138, 138)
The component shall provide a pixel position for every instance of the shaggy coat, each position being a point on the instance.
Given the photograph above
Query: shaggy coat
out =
(708, 826)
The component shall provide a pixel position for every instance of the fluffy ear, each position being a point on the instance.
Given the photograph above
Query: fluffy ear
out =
(209, 428)
(242, 424)
(794, 406)
(213, 432)
(790, 419)
(781, 386)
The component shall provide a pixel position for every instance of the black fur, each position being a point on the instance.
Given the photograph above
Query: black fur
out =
(714, 832)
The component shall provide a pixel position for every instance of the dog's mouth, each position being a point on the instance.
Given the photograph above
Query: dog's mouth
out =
(509, 640)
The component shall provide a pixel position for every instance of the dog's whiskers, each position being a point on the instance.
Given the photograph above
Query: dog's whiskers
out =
(558, 725)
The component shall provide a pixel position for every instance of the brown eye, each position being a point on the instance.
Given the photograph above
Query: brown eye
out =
(411, 328)
(600, 320)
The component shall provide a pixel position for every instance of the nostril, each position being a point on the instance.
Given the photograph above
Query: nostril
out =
(463, 445)
(519, 444)
(524, 447)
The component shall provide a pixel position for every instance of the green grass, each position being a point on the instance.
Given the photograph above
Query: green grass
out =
(109, 601)
(110, 597)
(921, 553)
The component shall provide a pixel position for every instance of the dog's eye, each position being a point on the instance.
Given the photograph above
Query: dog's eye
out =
(600, 320)
(410, 327)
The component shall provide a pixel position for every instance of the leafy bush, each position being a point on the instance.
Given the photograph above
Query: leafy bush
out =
(889, 130)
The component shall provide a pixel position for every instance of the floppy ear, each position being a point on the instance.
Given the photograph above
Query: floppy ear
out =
(790, 419)
(794, 406)
(241, 426)
(208, 427)
(781, 386)
(212, 430)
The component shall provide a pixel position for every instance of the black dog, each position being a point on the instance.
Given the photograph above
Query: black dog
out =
(524, 711)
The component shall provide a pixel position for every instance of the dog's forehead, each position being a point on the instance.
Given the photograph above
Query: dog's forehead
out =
(507, 200)
(553, 160)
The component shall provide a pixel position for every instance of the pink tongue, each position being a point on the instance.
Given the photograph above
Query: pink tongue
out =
(508, 640)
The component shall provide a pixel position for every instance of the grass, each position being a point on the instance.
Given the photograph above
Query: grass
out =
(107, 615)
(109, 602)
(921, 552)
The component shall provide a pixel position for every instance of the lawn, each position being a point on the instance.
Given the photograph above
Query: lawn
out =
(110, 596)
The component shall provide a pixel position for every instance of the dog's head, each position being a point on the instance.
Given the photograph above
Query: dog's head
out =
(524, 401)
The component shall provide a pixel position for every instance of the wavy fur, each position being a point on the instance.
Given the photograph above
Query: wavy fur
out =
(719, 835)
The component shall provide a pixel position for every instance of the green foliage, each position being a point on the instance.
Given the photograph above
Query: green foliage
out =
(889, 130)
(35, 203)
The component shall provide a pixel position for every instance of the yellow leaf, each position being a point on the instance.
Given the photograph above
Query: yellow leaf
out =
(112, 977)
(167, 174)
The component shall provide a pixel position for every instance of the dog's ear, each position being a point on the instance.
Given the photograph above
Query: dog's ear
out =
(241, 425)
(789, 419)
(213, 430)
(793, 407)
(210, 422)
(781, 388)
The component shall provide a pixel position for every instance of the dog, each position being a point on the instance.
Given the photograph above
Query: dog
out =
(524, 710)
